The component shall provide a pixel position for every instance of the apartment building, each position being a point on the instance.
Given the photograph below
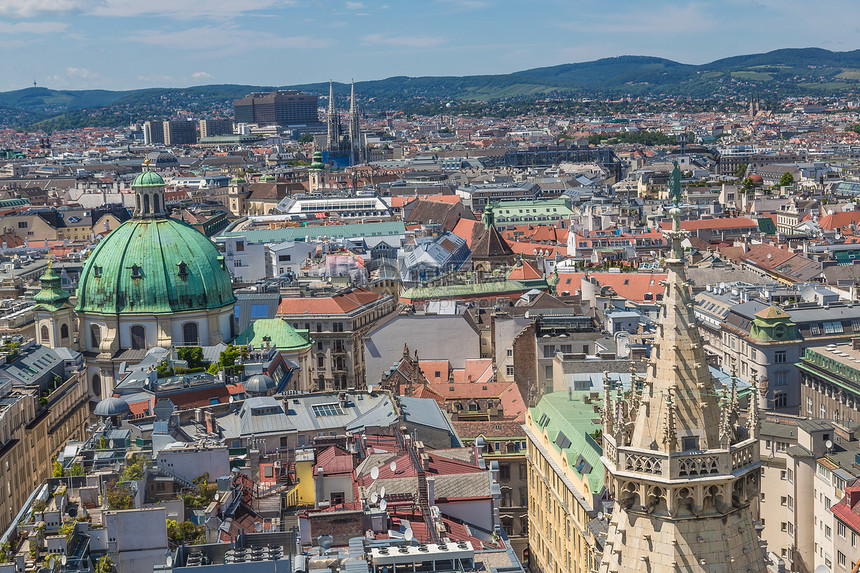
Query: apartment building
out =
(338, 324)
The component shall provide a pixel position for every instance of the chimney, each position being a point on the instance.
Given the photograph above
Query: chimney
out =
(318, 487)
(431, 491)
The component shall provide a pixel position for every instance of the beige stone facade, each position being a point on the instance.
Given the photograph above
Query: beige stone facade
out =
(683, 471)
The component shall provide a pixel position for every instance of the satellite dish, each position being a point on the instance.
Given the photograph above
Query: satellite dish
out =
(370, 388)
(382, 492)
(383, 504)
(325, 541)
(374, 497)
(822, 569)
(828, 444)
(393, 466)
(110, 444)
(374, 472)
(63, 560)
(408, 535)
(258, 527)
(231, 399)
(73, 512)
(169, 561)
(599, 515)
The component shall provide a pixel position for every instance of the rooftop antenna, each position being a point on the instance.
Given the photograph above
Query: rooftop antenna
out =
(34, 82)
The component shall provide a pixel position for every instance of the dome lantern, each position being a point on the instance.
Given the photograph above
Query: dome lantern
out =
(149, 194)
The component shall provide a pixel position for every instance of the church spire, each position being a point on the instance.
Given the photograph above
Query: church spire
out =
(678, 469)
(355, 128)
(333, 121)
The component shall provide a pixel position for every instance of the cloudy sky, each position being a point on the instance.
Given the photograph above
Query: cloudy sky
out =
(124, 44)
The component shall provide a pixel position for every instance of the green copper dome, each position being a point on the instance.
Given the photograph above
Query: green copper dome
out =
(52, 296)
(154, 266)
(148, 179)
(318, 161)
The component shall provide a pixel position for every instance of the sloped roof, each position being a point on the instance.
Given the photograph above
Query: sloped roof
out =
(491, 244)
(524, 271)
(337, 304)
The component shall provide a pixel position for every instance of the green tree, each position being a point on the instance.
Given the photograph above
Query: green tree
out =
(135, 469)
(4, 551)
(105, 565)
(184, 532)
(68, 529)
(58, 470)
(306, 138)
(855, 127)
(741, 170)
(77, 469)
(786, 179)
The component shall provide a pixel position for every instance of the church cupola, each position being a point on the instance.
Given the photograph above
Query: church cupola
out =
(149, 194)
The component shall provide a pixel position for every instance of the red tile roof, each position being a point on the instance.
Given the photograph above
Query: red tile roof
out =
(714, 224)
(338, 304)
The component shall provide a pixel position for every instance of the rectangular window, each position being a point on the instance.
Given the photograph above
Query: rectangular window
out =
(548, 372)
(510, 352)
(808, 405)
(815, 329)
(841, 530)
(840, 558)
(549, 351)
(327, 410)
(828, 533)
(509, 369)
(779, 357)
(780, 400)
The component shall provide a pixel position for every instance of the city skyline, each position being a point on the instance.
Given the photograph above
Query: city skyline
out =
(119, 44)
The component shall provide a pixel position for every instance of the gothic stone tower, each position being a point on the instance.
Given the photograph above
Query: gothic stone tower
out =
(683, 471)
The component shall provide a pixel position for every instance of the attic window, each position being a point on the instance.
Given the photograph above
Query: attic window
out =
(136, 272)
(582, 466)
(183, 270)
(97, 272)
(562, 441)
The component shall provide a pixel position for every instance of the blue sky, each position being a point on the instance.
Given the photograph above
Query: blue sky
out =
(124, 44)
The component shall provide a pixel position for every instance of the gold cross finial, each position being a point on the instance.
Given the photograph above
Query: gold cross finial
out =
(146, 161)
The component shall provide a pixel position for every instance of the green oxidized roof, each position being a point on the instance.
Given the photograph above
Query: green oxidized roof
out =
(52, 296)
(279, 332)
(576, 419)
(153, 266)
(148, 179)
(318, 161)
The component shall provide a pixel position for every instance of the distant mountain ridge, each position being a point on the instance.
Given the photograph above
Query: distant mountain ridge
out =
(790, 71)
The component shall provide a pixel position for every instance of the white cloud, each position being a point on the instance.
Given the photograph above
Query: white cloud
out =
(80, 73)
(30, 8)
(201, 76)
(182, 9)
(32, 28)
(354, 5)
(224, 39)
(404, 41)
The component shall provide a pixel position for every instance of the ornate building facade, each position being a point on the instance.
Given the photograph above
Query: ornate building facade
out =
(153, 281)
(684, 472)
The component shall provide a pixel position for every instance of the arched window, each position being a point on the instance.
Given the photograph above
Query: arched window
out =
(46, 336)
(232, 327)
(138, 337)
(155, 202)
(97, 385)
(64, 332)
(146, 204)
(138, 203)
(189, 334)
(95, 336)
